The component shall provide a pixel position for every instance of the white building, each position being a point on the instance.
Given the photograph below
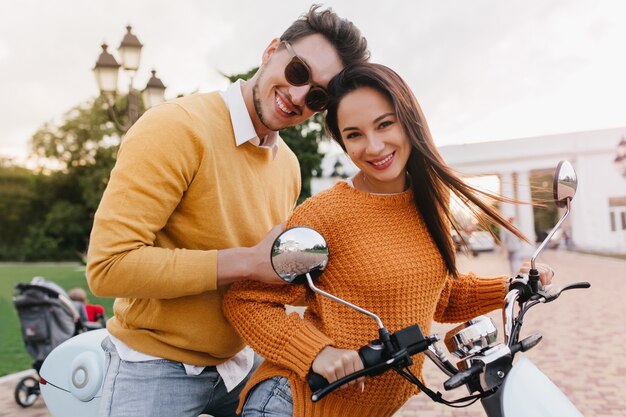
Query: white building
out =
(598, 218)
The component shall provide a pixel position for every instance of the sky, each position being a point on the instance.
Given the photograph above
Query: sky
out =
(482, 70)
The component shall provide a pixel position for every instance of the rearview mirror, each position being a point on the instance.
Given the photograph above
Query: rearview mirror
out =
(565, 183)
(299, 251)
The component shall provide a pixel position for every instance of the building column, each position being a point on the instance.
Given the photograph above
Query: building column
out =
(525, 220)
(507, 189)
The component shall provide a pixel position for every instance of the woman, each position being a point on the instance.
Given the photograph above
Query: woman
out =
(388, 230)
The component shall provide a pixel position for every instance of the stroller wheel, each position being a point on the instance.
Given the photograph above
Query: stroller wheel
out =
(27, 391)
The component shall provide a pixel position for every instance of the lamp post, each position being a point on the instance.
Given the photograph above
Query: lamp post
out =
(106, 71)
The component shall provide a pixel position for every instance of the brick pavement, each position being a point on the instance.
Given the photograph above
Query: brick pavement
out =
(582, 350)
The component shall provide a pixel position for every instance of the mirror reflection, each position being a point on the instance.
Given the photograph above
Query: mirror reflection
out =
(565, 183)
(298, 251)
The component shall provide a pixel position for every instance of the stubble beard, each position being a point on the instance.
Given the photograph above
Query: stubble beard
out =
(258, 108)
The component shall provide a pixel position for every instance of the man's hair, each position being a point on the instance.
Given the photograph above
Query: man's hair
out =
(345, 37)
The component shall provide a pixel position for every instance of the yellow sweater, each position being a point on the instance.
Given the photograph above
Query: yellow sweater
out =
(181, 190)
(383, 259)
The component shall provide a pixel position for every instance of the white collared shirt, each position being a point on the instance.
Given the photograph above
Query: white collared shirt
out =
(242, 122)
(233, 371)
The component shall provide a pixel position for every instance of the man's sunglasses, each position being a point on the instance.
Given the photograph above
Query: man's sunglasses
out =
(298, 73)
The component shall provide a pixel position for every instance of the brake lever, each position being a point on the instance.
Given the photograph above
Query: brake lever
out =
(548, 296)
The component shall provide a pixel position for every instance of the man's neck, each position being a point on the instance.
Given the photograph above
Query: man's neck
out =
(248, 99)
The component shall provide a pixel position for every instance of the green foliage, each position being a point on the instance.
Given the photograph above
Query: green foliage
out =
(243, 76)
(47, 214)
(304, 141)
(16, 195)
(78, 139)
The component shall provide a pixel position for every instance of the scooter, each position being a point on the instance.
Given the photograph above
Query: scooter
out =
(487, 368)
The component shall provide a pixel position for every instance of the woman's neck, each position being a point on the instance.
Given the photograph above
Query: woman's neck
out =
(363, 183)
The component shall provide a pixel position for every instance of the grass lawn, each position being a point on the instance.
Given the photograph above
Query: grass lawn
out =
(13, 355)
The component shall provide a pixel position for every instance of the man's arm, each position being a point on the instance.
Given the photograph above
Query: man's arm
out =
(157, 161)
(254, 263)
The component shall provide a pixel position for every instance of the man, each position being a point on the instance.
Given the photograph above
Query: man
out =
(513, 246)
(198, 184)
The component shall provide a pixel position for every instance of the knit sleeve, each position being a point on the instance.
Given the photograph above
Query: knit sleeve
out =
(257, 312)
(469, 296)
(157, 161)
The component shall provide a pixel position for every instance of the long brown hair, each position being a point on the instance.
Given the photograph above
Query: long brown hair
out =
(432, 179)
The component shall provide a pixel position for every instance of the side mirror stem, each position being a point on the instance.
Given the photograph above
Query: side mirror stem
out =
(345, 303)
(547, 239)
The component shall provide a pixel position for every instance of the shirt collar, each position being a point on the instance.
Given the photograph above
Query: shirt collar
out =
(241, 121)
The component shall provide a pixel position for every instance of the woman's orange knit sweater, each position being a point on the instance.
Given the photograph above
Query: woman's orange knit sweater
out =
(383, 259)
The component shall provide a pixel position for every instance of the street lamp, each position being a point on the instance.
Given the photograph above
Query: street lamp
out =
(106, 71)
(154, 92)
(620, 159)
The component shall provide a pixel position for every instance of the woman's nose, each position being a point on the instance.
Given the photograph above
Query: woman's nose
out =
(374, 145)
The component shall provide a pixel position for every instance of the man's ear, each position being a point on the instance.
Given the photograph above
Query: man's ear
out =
(269, 51)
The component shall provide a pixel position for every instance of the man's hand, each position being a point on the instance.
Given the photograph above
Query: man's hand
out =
(260, 258)
(253, 263)
(333, 364)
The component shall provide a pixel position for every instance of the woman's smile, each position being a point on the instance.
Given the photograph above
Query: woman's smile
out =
(383, 163)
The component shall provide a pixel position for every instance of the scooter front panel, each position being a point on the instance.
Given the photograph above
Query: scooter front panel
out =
(529, 392)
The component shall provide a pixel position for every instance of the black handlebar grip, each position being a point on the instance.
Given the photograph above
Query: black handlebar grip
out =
(576, 285)
(462, 377)
(372, 354)
(316, 381)
(530, 342)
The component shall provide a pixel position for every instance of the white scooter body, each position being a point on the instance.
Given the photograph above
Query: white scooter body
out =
(528, 392)
(73, 375)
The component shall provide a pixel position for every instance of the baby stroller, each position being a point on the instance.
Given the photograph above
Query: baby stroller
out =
(48, 318)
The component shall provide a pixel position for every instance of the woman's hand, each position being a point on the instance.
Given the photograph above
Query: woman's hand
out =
(333, 364)
(545, 272)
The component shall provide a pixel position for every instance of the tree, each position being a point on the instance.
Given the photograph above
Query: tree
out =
(76, 157)
(303, 139)
(16, 197)
(85, 130)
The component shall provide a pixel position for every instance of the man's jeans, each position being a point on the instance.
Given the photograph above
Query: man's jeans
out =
(271, 397)
(161, 388)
